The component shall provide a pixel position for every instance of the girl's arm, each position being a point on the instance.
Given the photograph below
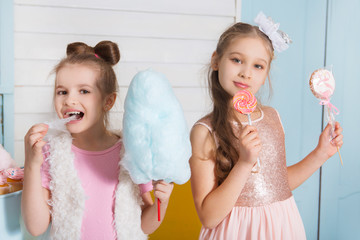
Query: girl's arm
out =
(302, 170)
(214, 202)
(149, 216)
(34, 207)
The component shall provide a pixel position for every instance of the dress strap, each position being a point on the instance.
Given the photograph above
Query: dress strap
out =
(205, 125)
(280, 120)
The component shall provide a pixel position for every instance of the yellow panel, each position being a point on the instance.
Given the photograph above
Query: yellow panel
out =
(181, 220)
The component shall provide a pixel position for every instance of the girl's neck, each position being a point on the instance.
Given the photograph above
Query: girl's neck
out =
(244, 118)
(94, 140)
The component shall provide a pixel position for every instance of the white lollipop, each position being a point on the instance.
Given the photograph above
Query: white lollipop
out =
(322, 85)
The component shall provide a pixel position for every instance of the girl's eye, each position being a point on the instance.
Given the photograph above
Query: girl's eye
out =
(84, 91)
(258, 66)
(61, 92)
(237, 60)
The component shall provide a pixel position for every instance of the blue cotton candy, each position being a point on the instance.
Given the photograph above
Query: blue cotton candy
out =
(156, 137)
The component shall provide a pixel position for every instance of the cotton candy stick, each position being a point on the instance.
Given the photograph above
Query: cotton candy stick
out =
(245, 102)
(158, 208)
(322, 85)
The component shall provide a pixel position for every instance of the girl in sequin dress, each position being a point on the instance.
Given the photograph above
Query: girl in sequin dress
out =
(231, 201)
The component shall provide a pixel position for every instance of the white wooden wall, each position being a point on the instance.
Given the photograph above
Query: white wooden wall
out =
(176, 38)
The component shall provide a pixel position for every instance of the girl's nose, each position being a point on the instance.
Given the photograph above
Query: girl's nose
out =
(245, 73)
(71, 100)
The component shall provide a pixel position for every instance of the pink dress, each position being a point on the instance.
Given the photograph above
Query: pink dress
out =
(99, 173)
(266, 208)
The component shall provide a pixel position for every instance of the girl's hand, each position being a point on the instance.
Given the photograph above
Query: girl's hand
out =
(327, 146)
(249, 145)
(162, 190)
(33, 144)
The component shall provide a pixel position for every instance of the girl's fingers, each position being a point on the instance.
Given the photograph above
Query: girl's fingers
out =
(36, 132)
(337, 125)
(41, 127)
(163, 189)
(162, 185)
(252, 139)
(338, 140)
(247, 130)
(338, 129)
(327, 129)
(36, 137)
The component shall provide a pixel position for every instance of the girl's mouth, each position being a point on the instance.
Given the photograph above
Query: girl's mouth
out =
(241, 85)
(79, 115)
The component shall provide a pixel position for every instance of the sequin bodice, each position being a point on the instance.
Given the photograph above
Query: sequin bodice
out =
(271, 183)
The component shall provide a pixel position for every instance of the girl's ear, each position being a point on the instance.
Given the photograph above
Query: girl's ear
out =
(109, 101)
(214, 62)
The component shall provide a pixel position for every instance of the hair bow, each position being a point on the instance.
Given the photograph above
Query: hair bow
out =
(279, 39)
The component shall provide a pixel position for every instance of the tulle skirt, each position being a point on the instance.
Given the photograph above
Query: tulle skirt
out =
(276, 221)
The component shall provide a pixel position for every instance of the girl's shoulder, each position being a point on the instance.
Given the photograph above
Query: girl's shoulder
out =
(273, 114)
(202, 140)
(268, 110)
(204, 122)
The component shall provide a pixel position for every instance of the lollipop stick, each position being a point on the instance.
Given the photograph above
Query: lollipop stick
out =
(249, 119)
(258, 160)
(338, 150)
(158, 208)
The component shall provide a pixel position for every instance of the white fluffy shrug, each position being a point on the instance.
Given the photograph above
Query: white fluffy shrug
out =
(68, 197)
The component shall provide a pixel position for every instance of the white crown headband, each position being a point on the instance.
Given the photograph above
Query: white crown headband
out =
(279, 39)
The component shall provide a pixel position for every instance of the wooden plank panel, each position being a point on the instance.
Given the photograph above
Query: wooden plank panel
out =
(7, 75)
(340, 208)
(202, 7)
(191, 99)
(39, 99)
(19, 154)
(33, 100)
(178, 74)
(1, 120)
(114, 23)
(116, 118)
(23, 122)
(6, 47)
(34, 73)
(37, 73)
(53, 47)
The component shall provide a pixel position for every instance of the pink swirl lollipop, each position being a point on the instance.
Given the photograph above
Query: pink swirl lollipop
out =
(245, 102)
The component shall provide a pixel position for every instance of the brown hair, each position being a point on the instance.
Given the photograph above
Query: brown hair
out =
(101, 57)
(226, 154)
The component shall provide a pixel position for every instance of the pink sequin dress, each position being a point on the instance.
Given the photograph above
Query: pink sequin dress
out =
(266, 208)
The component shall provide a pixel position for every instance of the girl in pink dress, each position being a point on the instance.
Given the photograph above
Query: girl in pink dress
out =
(74, 179)
(232, 201)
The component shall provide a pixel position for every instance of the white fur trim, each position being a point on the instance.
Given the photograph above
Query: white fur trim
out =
(67, 194)
(68, 197)
(127, 211)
